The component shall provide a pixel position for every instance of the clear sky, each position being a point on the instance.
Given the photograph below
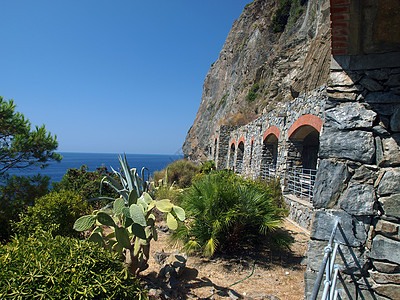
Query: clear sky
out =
(112, 76)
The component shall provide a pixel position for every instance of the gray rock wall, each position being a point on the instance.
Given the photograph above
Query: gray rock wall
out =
(359, 177)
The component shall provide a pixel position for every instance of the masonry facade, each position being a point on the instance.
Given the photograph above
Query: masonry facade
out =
(337, 151)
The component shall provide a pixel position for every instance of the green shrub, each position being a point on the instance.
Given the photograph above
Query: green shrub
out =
(252, 95)
(41, 266)
(16, 195)
(207, 167)
(57, 208)
(227, 213)
(180, 173)
(86, 183)
(287, 12)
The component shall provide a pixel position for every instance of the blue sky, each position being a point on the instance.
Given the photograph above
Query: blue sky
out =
(112, 76)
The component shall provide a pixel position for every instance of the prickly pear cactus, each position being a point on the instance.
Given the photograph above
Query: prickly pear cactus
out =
(133, 227)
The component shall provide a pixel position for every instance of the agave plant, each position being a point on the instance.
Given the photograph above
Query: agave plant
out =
(131, 222)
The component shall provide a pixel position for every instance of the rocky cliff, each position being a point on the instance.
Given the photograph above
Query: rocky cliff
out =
(275, 51)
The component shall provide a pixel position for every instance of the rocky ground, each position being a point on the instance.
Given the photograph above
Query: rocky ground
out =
(256, 274)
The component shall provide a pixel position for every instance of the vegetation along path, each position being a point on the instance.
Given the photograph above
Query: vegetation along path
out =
(256, 274)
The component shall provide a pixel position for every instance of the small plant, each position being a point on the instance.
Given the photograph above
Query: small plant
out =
(16, 194)
(41, 266)
(227, 213)
(180, 173)
(86, 183)
(57, 208)
(288, 11)
(131, 220)
(252, 95)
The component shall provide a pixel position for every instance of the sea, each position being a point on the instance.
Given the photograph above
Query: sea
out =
(56, 170)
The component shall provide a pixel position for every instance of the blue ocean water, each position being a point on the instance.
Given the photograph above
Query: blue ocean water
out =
(153, 162)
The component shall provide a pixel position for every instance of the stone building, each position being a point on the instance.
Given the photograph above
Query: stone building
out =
(337, 151)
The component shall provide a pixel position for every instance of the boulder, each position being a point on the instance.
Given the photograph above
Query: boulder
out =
(382, 97)
(371, 84)
(395, 120)
(384, 248)
(391, 151)
(350, 115)
(343, 79)
(329, 182)
(386, 267)
(351, 260)
(389, 183)
(388, 290)
(391, 205)
(358, 200)
(352, 231)
(354, 145)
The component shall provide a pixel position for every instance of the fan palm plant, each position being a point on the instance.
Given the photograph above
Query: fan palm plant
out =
(224, 210)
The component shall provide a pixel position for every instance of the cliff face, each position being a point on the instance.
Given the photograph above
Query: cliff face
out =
(258, 68)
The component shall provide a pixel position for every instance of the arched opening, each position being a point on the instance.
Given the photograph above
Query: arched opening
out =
(304, 143)
(232, 156)
(239, 157)
(215, 149)
(269, 154)
(302, 159)
(251, 151)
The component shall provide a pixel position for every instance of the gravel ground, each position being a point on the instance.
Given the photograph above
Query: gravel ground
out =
(257, 274)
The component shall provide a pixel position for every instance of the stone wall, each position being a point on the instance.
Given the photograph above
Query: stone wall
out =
(279, 122)
(358, 178)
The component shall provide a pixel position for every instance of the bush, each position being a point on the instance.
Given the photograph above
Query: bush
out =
(40, 266)
(252, 95)
(16, 195)
(57, 208)
(86, 183)
(227, 213)
(287, 12)
(180, 173)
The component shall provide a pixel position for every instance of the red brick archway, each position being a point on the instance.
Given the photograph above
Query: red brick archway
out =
(305, 120)
(271, 130)
(233, 142)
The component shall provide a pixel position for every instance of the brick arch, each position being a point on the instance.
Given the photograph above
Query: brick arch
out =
(232, 142)
(241, 140)
(309, 120)
(216, 138)
(271, 130)
(252, 140)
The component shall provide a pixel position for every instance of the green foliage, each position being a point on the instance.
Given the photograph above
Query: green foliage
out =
(226, 213)
(288, 10)
(252, 95)
(86, 183)
(16, 195)
(131, 219)
(57, 208)
(41, 266)
(207, 167)
(130, 186)
(180, 172)
(19, 146)
(132, 226)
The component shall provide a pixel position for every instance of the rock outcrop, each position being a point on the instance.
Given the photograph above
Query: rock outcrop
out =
(259, 69)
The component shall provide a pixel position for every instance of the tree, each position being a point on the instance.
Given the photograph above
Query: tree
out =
(21, 147)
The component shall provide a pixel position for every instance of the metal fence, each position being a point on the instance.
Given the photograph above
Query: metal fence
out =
(329, 269)
(300, 182)
(268, 172)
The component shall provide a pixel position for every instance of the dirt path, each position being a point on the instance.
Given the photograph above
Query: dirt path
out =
(264, 274)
